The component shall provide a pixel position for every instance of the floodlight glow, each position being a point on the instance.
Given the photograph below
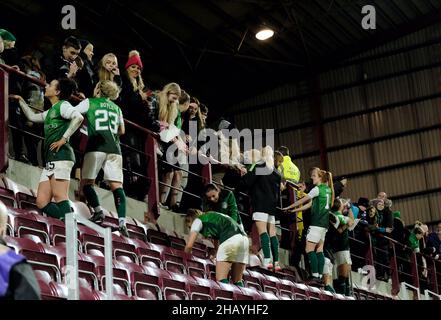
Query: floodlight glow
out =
(264, 34)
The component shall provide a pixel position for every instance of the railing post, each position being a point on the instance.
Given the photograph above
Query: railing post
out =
(71, 275)
(206, 174)
(394, 272)
(72, 257)
(152, 172)
(414, 267)
(369, 253)
(4, 119)
(293, 226)
(433, 280)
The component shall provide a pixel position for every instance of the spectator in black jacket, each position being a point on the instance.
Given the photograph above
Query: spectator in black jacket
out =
(263, 182)
(385, 225)
(17, 279)
(34, 95)
(434, 240)
(62, 64)
(135, 109)
(2, 48)
(10, 57)
(86, 76)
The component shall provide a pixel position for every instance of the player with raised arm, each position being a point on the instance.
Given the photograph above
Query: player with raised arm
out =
(320, 200)
(60, 122)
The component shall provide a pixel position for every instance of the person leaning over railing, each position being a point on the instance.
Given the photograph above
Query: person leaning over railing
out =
(222, 201)
(17, 279)
(263, 182)
(172, 144)
(233, 251)
(60, 122)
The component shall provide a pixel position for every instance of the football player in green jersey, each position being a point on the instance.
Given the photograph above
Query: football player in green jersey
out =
(233, 250)
(320, 200)
(340, 244)
(105, 124)
(222, 201)
(60, 122)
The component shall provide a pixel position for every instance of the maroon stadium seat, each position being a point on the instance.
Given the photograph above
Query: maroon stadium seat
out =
(157, 237)
(148, 255)
(91, 241)
(224, 291)
(86, 269)
(199, 250)
(143, 282)
(35, 255)
(47, 292)
(121, 283)
(251, 282)
(151, 283)
(268, 296)
(8, 198)
(251, 292)
(326, 295)
(122, 250)
(274, 284)
(314, 293)
(174, 289)
(300, 291)
(81, 208)
(286, 289)
(28, 225)
(55, 228)
(196, 266)
(197, 288)
(173, 261)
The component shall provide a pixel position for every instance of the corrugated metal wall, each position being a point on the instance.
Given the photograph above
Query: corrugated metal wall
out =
(381, 120)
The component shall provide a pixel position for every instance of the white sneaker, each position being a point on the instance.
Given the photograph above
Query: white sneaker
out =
(267, 264)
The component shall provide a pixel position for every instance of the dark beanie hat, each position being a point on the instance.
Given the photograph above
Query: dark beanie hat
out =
(84, 43)
(363, 202)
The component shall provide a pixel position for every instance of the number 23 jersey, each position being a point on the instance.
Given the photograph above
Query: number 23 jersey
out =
(103, 121)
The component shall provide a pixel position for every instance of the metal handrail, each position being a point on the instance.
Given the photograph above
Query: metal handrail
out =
(71, 255)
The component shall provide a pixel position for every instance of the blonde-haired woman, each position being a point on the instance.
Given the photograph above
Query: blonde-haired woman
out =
(108, 69)
(263, 183)
(135, 109)
(172, 144)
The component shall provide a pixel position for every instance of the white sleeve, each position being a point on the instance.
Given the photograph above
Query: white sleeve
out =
(83, 106)
(30, 114)
(121, 119)
(196, 226)
(313, 193)
(67, 110)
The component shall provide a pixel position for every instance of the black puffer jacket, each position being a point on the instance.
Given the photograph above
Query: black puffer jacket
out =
(264, 190)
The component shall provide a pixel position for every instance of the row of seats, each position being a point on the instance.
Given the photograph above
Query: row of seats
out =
(13, 195)
(149, 265)
(151, 282)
